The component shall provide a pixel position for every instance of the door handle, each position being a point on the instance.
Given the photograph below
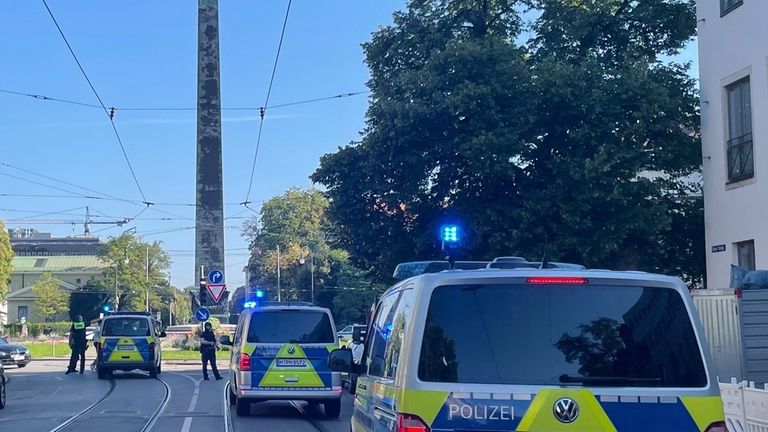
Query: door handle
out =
(362, 387)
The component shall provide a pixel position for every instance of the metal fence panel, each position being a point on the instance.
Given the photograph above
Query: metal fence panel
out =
(754, 330)
(718, 312)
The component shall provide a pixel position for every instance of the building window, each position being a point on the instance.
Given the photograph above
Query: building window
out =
(23, 313)
(746, 254)
(726, 6)
(741, 162)
(78, 281)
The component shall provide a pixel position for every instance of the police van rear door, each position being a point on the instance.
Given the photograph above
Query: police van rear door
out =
(126, 339)
(550, 354)
(290, 348)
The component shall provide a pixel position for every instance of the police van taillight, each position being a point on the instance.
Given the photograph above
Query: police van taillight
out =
(410, 423)
(245, 362)
(717, 427)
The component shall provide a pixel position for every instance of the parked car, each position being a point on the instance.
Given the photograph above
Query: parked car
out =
(3, 379)
(18, 354)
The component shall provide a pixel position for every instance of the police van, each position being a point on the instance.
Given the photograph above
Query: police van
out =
(518, 347)
(129, 341)
(280, 352)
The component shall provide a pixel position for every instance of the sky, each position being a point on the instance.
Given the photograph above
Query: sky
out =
(143, 54)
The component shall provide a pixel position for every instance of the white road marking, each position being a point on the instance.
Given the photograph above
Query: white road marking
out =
(192, 403)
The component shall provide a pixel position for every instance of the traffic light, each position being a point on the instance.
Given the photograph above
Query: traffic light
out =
(203, 289)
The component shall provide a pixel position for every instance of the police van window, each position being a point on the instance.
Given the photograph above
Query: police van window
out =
(560, 335)
(380, 330)
(126, 327)
(401, 318)
(290, 326)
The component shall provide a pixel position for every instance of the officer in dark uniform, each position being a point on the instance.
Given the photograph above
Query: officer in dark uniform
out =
(208, 347)
(78, 344)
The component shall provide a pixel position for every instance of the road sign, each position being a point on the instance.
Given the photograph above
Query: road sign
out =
(216, 291)
(202, 314)
(216, 277)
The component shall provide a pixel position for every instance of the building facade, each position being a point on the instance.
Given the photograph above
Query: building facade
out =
(72, 260)
(733, 62)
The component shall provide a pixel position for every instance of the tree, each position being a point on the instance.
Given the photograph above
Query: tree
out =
(136, 276)
(50, 299)
(296, 222)
(577, 144)
(6, 258)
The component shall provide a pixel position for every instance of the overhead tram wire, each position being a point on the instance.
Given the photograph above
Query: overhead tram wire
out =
(110, 114)
(137, 109)
(262, 112)
(47, 177)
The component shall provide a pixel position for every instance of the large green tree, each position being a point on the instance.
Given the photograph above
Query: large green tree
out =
(50, 299)
(578, 143)
(6, 258)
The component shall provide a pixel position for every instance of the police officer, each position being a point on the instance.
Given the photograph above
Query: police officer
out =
(208, 347)
(78, 344)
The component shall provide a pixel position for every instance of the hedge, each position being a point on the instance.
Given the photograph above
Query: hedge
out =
(36, 329)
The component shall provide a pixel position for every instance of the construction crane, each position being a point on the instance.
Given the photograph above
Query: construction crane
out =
(86, 223)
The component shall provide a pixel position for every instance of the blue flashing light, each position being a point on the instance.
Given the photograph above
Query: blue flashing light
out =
(450, 233)
(106, 308)
(259, 293)
(249, 304)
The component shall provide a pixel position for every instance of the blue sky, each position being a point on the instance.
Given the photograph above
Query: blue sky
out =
(143, 54)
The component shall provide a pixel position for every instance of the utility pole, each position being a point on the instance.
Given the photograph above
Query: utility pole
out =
(209, 214)
(312, 273)
(279, 295)
(117, 292)
(147, 277)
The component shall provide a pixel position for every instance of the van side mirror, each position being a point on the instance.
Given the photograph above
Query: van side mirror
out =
(340, 360)
(225, 340)
(359, 334)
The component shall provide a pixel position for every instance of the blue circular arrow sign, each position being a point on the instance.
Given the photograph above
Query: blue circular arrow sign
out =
(202, 314)
(216, 277)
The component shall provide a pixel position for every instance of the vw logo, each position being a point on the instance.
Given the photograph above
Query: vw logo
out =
(566, 410)
(291, 350)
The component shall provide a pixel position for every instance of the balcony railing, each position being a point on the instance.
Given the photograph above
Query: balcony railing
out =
(741, 162)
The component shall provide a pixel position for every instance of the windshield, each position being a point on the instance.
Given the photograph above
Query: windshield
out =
(555, 335)
(126, 327)
(291, 326)
(3, 341)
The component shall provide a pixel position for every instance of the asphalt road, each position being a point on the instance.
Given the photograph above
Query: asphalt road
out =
(42, 399)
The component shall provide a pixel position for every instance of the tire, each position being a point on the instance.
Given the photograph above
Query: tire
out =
(21, 366)
(153, 372)
(101, 373)
(232, 397)
(332, 408)
(3, 395)
(243, 407)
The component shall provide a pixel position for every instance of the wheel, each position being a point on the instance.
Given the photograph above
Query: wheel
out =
(153, 372)
(101, 373)
(232, 397)
(2, 394)
(21, 366)
(332, 408)
(243, 407)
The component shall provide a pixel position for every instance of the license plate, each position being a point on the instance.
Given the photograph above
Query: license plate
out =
(125, 348)
(19, 357)
(291, 363)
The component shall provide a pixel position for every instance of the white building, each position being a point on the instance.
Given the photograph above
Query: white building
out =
(733, 55)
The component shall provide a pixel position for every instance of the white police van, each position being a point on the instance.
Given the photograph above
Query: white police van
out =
(515, 347)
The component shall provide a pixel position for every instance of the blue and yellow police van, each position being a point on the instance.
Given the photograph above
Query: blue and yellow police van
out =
(520, 346)
(129, 341)
(280, 352)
